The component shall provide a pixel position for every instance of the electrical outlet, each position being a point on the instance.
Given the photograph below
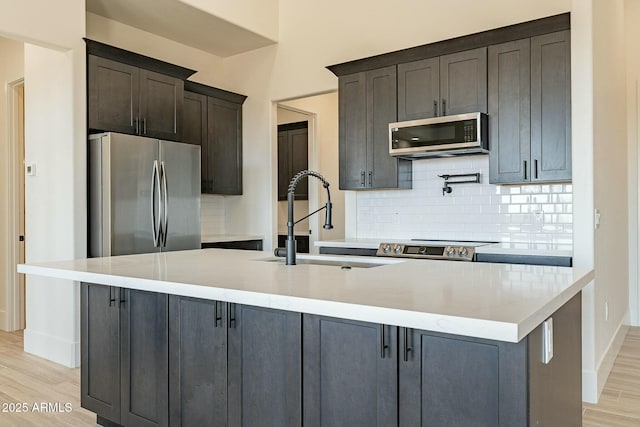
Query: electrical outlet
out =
(596, 218)
(30, 169)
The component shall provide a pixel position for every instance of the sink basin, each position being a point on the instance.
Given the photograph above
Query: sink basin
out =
(345, 263)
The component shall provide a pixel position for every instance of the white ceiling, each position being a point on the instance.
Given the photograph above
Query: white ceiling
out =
(177, 21)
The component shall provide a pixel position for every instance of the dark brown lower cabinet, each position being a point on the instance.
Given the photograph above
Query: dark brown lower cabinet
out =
(460, 381)
(350, 373)
(124, 369)
(150, 359)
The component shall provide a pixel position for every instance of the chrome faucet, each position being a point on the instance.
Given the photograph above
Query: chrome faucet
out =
(290, 246)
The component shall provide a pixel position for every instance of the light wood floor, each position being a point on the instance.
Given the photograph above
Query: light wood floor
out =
(619, 404)
(29, 379)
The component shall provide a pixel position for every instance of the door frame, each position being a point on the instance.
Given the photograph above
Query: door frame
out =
(314, 194)
(16, 317)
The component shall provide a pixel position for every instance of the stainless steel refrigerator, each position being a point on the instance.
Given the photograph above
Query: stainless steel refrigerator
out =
(144, 195)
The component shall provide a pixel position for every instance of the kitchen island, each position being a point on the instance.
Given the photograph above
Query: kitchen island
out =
(224, 337)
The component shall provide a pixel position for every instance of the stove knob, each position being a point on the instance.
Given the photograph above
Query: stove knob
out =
(462, 251)
(386, 249)
(398, 249)
(451, 251)
(422, 250)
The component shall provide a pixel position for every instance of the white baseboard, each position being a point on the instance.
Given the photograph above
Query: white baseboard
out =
(53, 348)
(593, 380)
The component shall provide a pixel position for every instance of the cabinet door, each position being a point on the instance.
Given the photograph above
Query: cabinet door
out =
(194, 128)
(381, 89)
(352, 117)
(265, 374)
(113, 95)
(284, 165)
(509, 112)
(198, 362)
(448, 380)
(551, 107)
(144, 359)
(350, 380)
(100, 357)
(463, 82)
(418, 89)
(224, 146)
(161, 99)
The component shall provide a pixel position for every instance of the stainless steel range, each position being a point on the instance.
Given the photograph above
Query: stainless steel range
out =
(431, 249)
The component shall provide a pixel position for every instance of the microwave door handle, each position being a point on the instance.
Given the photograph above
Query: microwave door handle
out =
(435, 108)
(444, 107)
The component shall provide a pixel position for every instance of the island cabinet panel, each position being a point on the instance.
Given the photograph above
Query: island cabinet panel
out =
(556, 387)
(445, 85)
(130, 388)
(449, 380)
(530, 110)
(264, 371)
(100, 355)
(197, 362)
(350, 373)
(144, 356)
(367, 104)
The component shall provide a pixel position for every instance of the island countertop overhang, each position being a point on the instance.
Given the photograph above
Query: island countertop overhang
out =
(501, 302)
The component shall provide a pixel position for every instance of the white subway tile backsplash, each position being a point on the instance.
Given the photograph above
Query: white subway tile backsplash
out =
(212, 214)
(529, 213)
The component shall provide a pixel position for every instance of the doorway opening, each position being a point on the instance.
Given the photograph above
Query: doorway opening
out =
(16, 215)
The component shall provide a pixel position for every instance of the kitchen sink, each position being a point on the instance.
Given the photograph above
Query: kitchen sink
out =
(345, 263)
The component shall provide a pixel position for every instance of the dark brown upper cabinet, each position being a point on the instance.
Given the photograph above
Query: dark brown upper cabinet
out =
(124, 98)
(213, 120)
(445, 85)
(530, 110)
(293, 157)
(367, 104)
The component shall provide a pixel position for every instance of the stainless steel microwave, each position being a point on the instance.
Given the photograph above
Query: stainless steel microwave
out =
(460, 134)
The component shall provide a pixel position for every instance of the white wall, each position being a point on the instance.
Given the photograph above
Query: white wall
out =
(632, 37)
(12, 59)
(55, 138)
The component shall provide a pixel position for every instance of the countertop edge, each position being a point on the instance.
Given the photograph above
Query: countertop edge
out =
(465, 326)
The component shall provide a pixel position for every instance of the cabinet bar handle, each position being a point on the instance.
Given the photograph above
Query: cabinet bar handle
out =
(535, 169)
(525, 169)
(144, 125)
(231, 308)
(137, 125)
(122, 299)
(112, 296)
(216, 314)
(370, 179)
(362, 178)
(435, 108)
(383, 341)
(407, 347)
(444, 107)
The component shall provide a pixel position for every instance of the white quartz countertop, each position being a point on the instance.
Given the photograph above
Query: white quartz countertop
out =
(216, 238)
(495, 301)
(504, 248)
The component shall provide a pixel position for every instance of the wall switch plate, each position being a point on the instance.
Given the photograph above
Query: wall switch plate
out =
(547, 340)
(30, 169)
(596, 218)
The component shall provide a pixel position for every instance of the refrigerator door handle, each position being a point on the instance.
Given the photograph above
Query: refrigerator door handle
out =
(163, 172)
(155, 189)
